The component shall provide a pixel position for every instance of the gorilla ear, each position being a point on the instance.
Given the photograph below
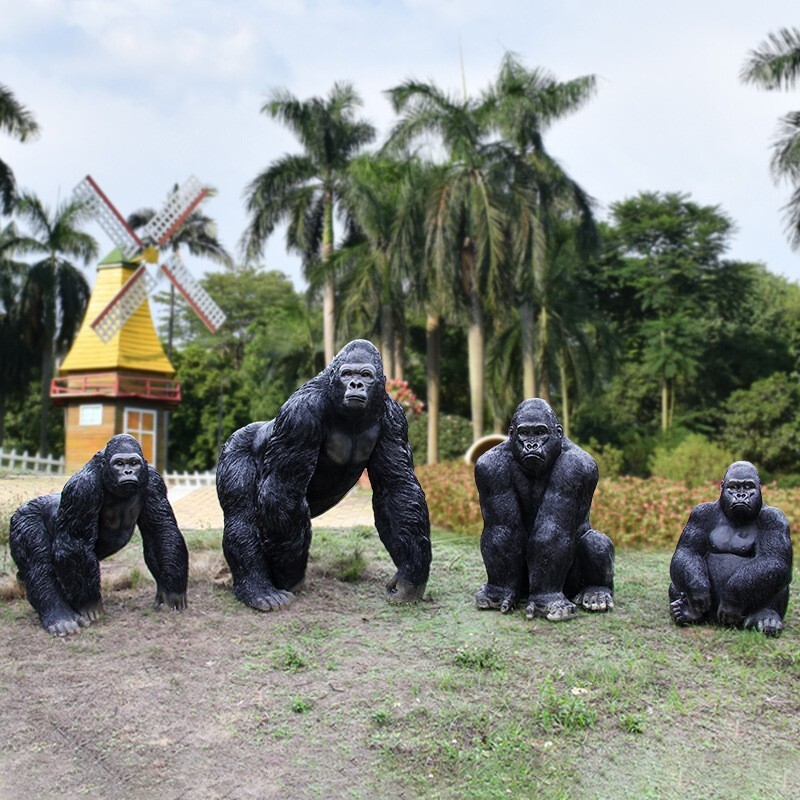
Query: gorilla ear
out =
(559, 431)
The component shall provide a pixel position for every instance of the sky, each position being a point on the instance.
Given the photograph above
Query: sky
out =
(142, 94)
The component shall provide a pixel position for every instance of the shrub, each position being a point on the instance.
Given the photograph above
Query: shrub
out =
(694, 461)
(609, 458)
(455, 437)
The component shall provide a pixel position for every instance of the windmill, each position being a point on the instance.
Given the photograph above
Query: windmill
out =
(144, 247)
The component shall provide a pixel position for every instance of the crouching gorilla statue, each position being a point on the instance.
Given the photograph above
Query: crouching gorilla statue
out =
(272, 477)
(57, 541)
(733, 562)
(535, 493)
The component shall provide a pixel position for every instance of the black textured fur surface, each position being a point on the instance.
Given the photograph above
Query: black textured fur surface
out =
(58, 540)
(733, 567)
(537, 541)
(274, 476)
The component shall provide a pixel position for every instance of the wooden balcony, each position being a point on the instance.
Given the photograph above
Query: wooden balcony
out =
(164, 391)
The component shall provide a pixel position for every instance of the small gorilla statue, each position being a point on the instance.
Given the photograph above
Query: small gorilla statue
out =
(535, 492)
(272, 477)
(57, 541)
(733, 561)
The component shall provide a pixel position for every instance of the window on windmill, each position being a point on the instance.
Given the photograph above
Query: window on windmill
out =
(91, 414)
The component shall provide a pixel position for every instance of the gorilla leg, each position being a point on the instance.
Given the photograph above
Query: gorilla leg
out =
(769, 619)
(503, 554)
(31, 549)
(594, 559)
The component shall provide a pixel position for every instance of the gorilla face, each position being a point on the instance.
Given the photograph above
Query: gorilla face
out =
(536, 437)
(125, 469)
(357, 381)
(740, 497)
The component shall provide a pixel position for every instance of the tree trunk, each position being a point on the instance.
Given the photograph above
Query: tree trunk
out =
(399, 352)
(527, 322)
(433, 338)
(44, 414)
(562, 371)
(544, 364)
(2, 419)
(387, 340)
(329, 290)
(664, 405)
(475, 347)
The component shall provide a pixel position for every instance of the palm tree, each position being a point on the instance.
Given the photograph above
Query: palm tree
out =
(55, 293)
(14, 356)
(198, 234)
(523, 104)
(465, 226)
(776, 65)
(306, 189)
(18, 122)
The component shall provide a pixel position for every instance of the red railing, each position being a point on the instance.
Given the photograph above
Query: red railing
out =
(114, 384)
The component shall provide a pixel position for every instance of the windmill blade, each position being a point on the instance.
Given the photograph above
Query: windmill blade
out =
(196, 296)
(111, 221)
(178, 206)
(122, 306)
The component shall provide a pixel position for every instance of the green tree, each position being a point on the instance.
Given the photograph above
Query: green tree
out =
(667, 274)
(16, 121)
(523, 104)
(306, 188)
(775, 64)
(55, 292)
(466, 223)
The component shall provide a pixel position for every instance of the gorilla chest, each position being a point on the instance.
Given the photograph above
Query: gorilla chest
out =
(349, 448)
(116, 523)
(725, 538)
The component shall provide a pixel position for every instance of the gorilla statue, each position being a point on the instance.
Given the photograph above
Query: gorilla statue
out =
(57, 541)
(733, 561)
(273, 477)
(535, 493)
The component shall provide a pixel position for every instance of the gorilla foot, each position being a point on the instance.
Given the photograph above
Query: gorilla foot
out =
(64, 623)
(400, 591)
(595, 598)
(765, 621)
(265, 598)
(554, 607)
(91, 612)
(172, 600)
(490, 597)
(683, 614)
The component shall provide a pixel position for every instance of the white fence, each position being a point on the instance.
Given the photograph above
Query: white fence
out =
(24, 462)
(190, 478)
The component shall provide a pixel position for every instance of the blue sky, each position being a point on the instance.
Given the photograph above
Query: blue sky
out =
(143, 93)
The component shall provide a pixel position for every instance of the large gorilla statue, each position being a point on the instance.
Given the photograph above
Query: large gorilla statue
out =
(57, 541)
(535, 492)
(733, 562)
(272, 477)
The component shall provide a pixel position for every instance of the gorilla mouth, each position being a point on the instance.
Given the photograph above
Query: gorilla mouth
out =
(538, 455)
(355, 399)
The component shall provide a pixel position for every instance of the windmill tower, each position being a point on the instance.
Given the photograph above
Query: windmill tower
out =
(117, 378)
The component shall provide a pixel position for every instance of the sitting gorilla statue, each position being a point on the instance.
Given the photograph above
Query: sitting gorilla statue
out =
(272, 477)
(57, 541)
(733, 561)
(535, 493)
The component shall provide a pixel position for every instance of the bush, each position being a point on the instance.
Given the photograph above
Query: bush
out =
(694, 461)
(609, 458)
(455, 437)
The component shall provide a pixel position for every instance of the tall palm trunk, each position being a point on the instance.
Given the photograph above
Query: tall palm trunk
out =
(475, 338)
(526, 322)
(48, 360)
(329, 288)
(563, 379)
(544, 364)
(388, 340)
(433, 338)
(399, 353)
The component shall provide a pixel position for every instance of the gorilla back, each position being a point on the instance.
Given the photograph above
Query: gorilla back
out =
(274, 476)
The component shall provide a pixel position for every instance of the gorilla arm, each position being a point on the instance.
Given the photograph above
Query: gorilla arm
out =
(401, 514)
(760, 578)
(504, 537)
(688, 569)
(164, 548)
(76, 528)
(558, 524)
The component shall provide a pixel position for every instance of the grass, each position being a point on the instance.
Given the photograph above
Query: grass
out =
(439, 700)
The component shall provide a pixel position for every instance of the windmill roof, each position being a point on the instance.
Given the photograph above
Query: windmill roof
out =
(134, 347)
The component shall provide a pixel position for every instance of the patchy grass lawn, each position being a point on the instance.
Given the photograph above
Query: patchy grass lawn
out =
(344, 696)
